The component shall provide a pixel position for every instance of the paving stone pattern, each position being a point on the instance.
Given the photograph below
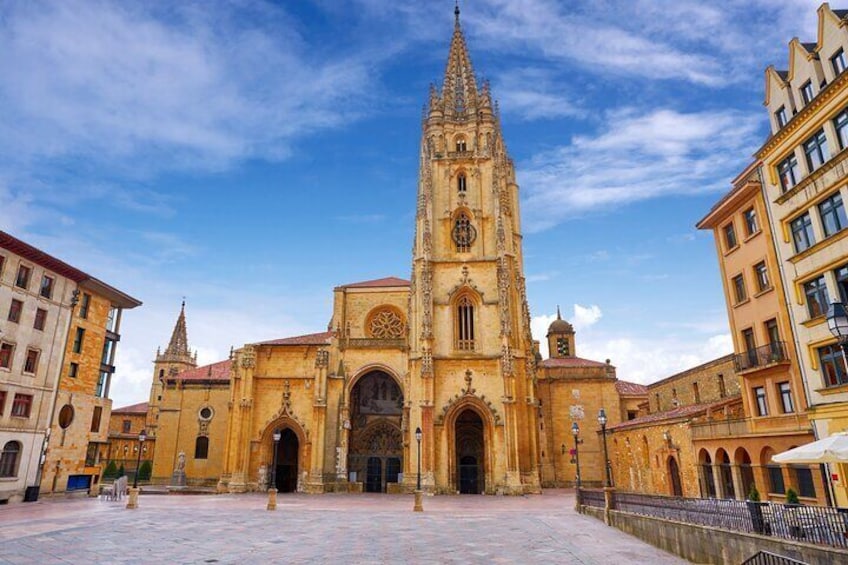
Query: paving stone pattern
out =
(344, 529)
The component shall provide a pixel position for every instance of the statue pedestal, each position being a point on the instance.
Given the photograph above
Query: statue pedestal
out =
(178, 479)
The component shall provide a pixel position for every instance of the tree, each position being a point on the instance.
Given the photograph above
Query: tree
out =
(121, 471)
(111, 471)
(145, 470)
(754, 494)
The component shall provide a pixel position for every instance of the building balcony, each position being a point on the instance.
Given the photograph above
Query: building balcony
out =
(373, 343)
(765, 356)
(721, 428)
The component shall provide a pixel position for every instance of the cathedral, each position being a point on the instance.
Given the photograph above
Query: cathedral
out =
(437, 375)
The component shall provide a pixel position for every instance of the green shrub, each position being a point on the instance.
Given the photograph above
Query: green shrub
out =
(121, 471)
(145, 470)
(792, 497)
(754, 494)
(111, 471)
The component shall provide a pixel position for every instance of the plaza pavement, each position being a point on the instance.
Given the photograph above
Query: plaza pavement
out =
(332, 528)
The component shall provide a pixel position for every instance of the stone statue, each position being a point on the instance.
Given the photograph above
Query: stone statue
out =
(178, 479)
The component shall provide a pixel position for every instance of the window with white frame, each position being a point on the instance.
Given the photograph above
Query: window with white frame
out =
(786, 397)
(840, 123)
(832, 365)
(817, 297)
(739, 289)
(802, 232)
(832, 214)
(761, 273)
(762, 404)
(838, 61)
(751, 225)
(816, 150)
(788, 172)
(807, 92)
(781, 117)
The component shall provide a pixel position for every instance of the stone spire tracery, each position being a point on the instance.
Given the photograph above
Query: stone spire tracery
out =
(177, 350)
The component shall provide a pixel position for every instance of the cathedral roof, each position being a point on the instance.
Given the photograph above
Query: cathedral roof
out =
(570, 362)
(625, 388)
(219, 371)
(378, 283)
(322, 338)
(140, 408)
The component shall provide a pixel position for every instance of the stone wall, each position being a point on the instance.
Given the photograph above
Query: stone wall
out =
(700, 544)
(680, 389)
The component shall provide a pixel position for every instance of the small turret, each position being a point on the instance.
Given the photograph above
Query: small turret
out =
(560, 338)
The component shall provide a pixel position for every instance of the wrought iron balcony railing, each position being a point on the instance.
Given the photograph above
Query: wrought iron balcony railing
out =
(763, 356)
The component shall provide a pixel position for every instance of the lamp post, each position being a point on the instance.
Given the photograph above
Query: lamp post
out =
(602, 420)
(277, 435)
(575, 431)
(418, 507)
(132, 501)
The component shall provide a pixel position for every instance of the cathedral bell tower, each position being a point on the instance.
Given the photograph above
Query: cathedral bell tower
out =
(472, 367)
(175, 359)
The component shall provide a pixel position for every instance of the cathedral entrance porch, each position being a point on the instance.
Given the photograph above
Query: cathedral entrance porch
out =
(375, 458)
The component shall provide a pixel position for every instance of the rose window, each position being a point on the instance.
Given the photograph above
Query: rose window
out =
(386, 324)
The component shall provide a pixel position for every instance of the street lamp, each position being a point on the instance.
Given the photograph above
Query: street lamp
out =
(418, 507)
(277, 435)
(142, 436)
(837, 323)
(575, 431)
(418, 439)
(602, 420)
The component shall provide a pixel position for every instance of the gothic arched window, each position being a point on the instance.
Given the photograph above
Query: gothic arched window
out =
(201, 447)
(465, 324)
(460, 145)
(464, 233)
(460, 183)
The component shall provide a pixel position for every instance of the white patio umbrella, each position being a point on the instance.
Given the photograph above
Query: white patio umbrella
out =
(833, 449)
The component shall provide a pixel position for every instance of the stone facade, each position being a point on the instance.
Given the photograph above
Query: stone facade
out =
(448, 352)
(50, 442)
(125, 425)
(705, 383)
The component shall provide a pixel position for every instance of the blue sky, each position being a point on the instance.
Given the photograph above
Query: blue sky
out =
(252, 155)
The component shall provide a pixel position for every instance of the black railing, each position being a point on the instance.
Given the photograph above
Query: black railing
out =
(761, 356)
(768, 558)
(813, 524)
(593, 498)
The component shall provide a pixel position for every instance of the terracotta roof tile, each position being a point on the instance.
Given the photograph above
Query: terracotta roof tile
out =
(625, 388)
(219, 371)
(140, 408)
(570, 362)
(378, 283)
(673, 414)
(322, 338)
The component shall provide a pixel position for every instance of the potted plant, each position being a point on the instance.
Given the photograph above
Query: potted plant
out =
(792, 498)
(756, 510)
(792, 519)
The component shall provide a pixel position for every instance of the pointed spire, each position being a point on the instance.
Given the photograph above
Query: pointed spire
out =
(177, 350)
(559, 317)
(459, 90)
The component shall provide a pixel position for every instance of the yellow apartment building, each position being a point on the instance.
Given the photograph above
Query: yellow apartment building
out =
(805, 185)
(774, 401)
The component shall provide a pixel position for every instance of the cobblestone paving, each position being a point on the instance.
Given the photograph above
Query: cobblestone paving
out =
(345, 529)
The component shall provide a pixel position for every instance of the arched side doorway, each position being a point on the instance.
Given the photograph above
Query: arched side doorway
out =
(288, 450)
(706, 464)
(746, 471)
(375, 456)
(674, 475)
(470, 453)
(725, 474)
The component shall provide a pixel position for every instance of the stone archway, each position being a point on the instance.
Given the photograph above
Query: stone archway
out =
(375, 456)
(674, 476)
(470, 452)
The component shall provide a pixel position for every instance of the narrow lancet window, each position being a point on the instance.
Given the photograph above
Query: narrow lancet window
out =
(465, 324)
(460, 183)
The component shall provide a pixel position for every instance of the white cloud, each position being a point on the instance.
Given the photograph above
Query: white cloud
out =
(636, 156)
(585, 316)
(152, 86)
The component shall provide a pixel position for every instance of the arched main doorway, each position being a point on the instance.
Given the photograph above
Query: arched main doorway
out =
(288, 449)
(375, 457)
(470, 453)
